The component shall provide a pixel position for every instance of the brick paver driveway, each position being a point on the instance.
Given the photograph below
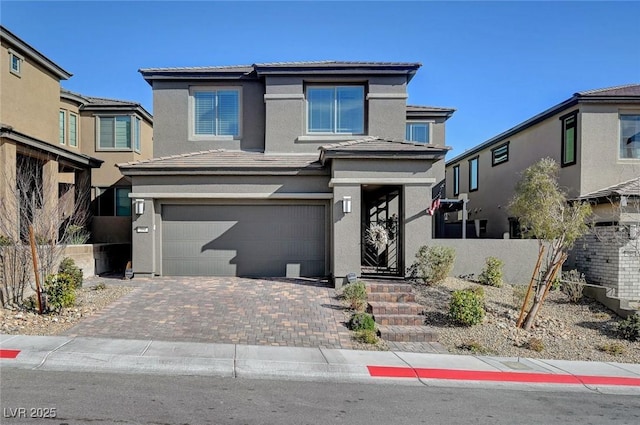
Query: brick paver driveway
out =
(287, 312)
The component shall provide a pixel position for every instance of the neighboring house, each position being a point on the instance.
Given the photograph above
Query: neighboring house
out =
(595, 137)
(279, 169)
(38, 173)
(75, 140)
(114, 131)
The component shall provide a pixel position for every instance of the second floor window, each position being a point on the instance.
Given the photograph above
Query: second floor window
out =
(61, 129)
(500, 154)
(456, 180)
(335, 109)
(216, 112)
(630, 136)
(569, 139)
(15, 63)
(120, 132)
(418, 132)
(73, 130)
(473, 174)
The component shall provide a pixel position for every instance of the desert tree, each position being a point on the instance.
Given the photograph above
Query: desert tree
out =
(545, 213)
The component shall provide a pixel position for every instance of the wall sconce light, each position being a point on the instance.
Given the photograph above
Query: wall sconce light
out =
(346, 204)
(139, 206)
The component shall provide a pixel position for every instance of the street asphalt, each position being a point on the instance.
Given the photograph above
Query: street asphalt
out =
(141, 356)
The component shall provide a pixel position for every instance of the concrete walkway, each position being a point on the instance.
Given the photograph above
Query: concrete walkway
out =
(326, 364)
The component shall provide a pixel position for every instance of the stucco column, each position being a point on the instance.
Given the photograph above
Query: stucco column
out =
(50, 217)
(9, 225)
(417, 223)
(346, 233)
(143, 239)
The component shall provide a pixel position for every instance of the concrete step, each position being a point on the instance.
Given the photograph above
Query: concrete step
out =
(381, 307)
(399, 319)
(387, 287)
(397, 333)
(392, 297)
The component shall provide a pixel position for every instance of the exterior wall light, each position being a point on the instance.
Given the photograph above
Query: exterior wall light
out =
(346, 204)
(139, 206)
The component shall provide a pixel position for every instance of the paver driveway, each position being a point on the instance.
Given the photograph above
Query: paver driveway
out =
(287, 312)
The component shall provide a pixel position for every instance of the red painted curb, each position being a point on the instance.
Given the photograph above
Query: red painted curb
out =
(479, 375)
(9, 354)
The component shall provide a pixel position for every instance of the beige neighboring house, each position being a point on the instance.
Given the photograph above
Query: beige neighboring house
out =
(75, 140)
(594, 136)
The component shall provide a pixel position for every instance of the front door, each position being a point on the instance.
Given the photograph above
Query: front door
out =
(381, 230)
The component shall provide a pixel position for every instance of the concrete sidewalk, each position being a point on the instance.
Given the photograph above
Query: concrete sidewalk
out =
(82, 354)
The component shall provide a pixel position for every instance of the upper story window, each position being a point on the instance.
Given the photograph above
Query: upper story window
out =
(15, 63)
(118, 132)
(500, 154)
(335, 109)
(73, 130)
(418, 132)
(630, 136)
(569, 126)
(62, 120)
(215, 112)
(456, 180)
(473, 174)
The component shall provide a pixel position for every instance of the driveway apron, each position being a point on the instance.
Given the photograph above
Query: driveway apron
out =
(278, 312)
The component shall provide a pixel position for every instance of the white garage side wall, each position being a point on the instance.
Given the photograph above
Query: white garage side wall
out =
(519, 256)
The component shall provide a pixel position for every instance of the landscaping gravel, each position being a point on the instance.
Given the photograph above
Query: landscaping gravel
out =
(568, 331)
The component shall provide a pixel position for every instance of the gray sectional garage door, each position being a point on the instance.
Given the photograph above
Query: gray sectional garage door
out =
(243, 240)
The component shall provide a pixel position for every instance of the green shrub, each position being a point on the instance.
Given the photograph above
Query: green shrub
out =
(77, 235)
(356, 295)
(474, 346)
(535, 344)
(60, 291)
(5, 241)
(614, 348)
(100, 287)
(367, 336)
(572, 285)
(629, 328)
(361, 321)
(466, 307)
(432, 264)
(492, 272)
(68, 266)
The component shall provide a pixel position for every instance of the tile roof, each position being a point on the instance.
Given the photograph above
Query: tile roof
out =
(230, 68)
(220, 159)
(375, 144)
(627, 188)
(419, 108)
(625, 90)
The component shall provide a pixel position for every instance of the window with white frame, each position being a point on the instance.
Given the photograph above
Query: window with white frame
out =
(215, 111)
(62, 120)
(630, 136)
(73, 130)
(418, 132)
(500, 154)
(15, 63)
(119, 132)
(473, 174)
(335, 109)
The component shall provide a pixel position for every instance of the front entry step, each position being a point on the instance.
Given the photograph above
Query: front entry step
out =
(381, 307)
(407, 333)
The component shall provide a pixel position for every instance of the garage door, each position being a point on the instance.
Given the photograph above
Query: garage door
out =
(243, 240)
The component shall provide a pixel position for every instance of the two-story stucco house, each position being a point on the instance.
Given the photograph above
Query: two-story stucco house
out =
(73, 142)
(595, 138)
(280, 169)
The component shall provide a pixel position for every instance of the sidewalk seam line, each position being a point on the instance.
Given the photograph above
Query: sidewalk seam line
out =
(235, 359)
(323, 356)
(46, 357)
(621, 368)
(415, 372)
(577, 377)
(12, 337)
(145, 349)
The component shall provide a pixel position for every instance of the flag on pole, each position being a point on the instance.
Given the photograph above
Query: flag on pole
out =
(435, 204)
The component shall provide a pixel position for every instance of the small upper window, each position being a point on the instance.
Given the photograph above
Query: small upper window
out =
(73, 130)
(630, 136)
(456, 180)
(61, 130)
(418, 132)
(335, 109)
(216, 112)
(500, 154)
(569, 126)
(15, 63)
(136, 134)
(473, 174)
(116, 132)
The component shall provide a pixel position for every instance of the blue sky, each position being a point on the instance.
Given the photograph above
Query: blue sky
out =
(497, 63)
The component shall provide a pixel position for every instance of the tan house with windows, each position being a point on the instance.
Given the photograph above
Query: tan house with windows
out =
(67, 143)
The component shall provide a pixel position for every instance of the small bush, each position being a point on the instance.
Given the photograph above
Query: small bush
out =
(629, 328)
(535, 344)
(60, 291)
(68, 266)
(572, 285)
(5, 241)
(474, 346)
(492, 272)
(356, 295)
(466, 307)
(77, 235)
(478, 290)
(433, 264)
(614, 348)
(367, 336)
(100, 287)
(361, 321)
